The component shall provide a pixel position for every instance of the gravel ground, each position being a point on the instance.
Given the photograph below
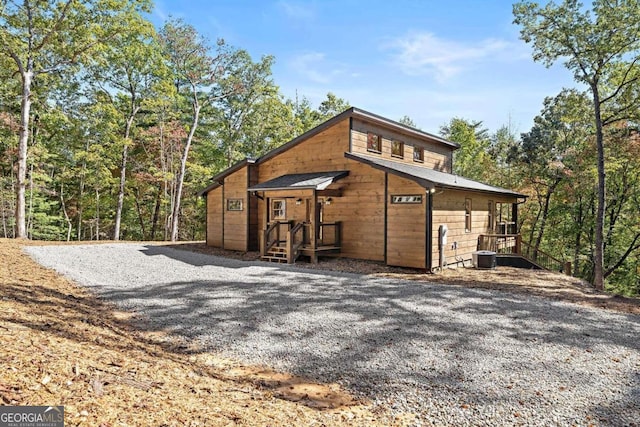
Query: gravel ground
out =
(450, 355)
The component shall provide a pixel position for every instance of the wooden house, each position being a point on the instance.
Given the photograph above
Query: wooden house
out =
(357, 186)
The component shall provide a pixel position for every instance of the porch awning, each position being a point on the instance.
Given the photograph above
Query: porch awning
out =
(301, 181)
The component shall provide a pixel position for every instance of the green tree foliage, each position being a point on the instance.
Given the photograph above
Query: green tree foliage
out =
(198, 74)
(471, 160)
(601, 47)
(408, 121)
(48, 38)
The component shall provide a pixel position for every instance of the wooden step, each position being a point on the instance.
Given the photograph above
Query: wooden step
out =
(276, 254)
(274, 259)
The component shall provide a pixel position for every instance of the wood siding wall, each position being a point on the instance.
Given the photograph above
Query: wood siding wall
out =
(214, 217)
(236, 228)
(253, 238)
(436, 155)
(449, 209)
(361, 207)
(406, 225)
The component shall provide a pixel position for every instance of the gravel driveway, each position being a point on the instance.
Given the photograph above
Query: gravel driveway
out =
(451, 355)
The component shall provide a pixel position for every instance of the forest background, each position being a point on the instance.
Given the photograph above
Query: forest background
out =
(109, 127)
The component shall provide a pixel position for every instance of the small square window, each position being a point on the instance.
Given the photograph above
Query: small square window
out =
(374, 142)
(397, 149)
(418, 154)
(234, 204)
(278, 209)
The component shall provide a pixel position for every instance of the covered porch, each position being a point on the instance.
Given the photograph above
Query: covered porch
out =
(292, 216)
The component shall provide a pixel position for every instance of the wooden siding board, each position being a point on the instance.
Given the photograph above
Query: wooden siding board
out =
(236, 222)
(214, 217)
(436, 156)
(360, 208)
(406, 226)
(449, 209)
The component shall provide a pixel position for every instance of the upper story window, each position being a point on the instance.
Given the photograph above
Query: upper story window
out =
(418, 154)
(374, 142)
(397, 148)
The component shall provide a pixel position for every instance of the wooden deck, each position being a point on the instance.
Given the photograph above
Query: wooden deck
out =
(512, 244)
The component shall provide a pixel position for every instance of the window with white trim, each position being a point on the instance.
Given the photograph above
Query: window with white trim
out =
(278, 209)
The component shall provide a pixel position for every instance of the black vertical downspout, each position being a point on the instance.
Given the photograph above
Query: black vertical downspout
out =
(248, 211)
(351, 134)
(386, 196)
(429, 233)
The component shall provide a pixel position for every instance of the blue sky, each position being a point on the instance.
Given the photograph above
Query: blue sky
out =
(431, 60)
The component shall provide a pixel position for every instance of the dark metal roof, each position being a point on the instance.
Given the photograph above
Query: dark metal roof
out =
(430, 178)
(315, 180)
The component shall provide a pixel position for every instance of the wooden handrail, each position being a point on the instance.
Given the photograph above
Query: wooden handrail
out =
(267, 241)
(547, 260)
(293, 245)
(337, 232)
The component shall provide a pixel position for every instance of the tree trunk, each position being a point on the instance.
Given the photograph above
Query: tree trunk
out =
(598, 269)
(81, 193)
(2, 206)
(123, 174)
(545, 215)
(25, 108)
(97, 214)
(140, 216)
(156, 213)
(64, 211)
(183, 166)
(578, 242)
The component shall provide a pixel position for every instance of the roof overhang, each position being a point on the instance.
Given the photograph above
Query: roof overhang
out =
(301, 181)
(431, 179)
(218, 180)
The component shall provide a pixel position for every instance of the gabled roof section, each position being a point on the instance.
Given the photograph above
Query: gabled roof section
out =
(217, 179)
(365, 116)
(315, 181)
(430, 178)
(351, 112)
(399, 127)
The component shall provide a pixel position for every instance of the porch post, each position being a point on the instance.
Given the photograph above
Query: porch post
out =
(315, 227)
(514, 215)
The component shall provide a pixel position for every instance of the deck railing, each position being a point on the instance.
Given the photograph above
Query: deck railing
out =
(545, 260)
(500, 243)
(272, 236)
(329, 238)
(295, 240)
(512, 244)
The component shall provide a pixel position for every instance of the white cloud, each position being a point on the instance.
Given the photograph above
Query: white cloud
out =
(420, 53)
(308, 65)
(317, 68)
(297, 11)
